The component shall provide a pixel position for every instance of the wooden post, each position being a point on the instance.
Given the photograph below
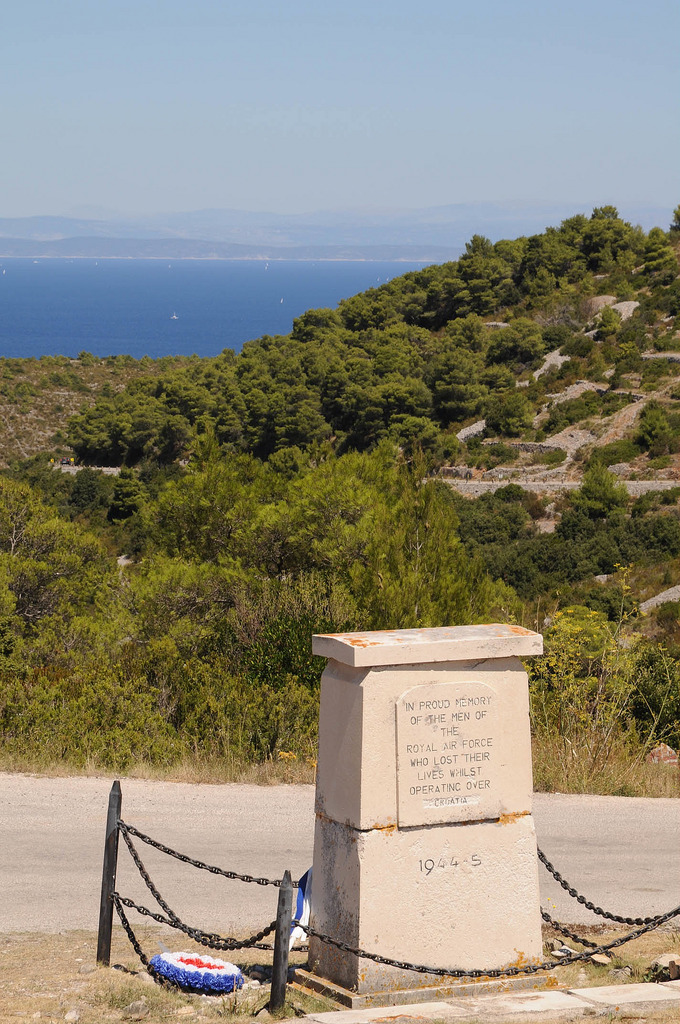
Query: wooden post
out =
(284, 916)
(109, 876)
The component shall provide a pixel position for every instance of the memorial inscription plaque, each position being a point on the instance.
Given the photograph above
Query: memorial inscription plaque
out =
(449, 751)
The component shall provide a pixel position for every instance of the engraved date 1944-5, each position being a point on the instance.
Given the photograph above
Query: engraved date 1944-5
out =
(430, 865)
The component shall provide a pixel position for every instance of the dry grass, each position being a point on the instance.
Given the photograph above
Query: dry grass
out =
(556, 770)
(41, 979)
(215, 772)
(637, 955)
(564, 767)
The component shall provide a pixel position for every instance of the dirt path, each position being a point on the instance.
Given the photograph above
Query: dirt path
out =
(621, 852)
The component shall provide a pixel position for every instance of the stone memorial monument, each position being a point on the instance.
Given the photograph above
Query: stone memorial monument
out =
(424, 847)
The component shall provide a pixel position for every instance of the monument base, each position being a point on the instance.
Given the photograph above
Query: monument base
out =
(305, 981)
(441, 895)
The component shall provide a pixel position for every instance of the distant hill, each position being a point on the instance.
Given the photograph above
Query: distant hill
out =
(433, 234)
(189, 248)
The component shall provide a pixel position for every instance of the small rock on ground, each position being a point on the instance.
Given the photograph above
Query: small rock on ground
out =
(72, 1016)
(136, 1010)
(145, 978)
(668, 965)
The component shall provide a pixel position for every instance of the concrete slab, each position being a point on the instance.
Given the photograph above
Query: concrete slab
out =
(547, 1003)
(550, 1004)
(623, 995)
(413, 1011)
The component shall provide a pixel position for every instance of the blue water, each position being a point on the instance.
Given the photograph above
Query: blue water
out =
(111, 307)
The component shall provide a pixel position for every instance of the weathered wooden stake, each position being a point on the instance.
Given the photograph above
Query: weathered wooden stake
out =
(109, 876)
(284, 916)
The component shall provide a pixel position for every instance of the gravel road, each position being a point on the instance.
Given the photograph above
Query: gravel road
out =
(620, 852)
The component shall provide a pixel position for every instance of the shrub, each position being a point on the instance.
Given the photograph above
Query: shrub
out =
(553, 458)
(618, 451)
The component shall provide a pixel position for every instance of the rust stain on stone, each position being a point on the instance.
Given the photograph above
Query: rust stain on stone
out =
(519, 631)
(522, 960)
(509, 819)
(402, 1016)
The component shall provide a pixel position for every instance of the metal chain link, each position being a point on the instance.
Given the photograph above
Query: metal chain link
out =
(210, 939)
(565, 931)
(404, 965)
(233, 875)
(586, 903)
(134, 942)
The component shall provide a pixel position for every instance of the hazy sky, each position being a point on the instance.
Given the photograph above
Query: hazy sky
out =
(293, 105)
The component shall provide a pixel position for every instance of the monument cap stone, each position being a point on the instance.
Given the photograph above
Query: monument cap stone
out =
(426, 646)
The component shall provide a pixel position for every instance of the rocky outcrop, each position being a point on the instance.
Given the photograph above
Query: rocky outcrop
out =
(663, 754)
(474, 430)
(597, 303)
(671, 357)
(672, 594)
(577, 389)
(571, 439)
(552, 360)
(625, 309)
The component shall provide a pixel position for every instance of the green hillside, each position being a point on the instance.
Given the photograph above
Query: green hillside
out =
(417, 358)
(325, 480)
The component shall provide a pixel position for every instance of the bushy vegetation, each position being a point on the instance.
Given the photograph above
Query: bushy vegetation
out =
(204, 648)
(595, 534)
(292, 489)
(597, 704)
(410, 361)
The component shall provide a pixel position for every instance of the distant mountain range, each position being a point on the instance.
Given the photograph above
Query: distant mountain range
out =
(433, 234)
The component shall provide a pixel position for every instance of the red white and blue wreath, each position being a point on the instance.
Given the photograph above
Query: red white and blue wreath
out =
(198, 973)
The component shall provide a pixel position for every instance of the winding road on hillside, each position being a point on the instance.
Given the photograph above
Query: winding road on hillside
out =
(620, 852)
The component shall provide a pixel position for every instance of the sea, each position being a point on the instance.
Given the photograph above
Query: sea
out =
(155, 308)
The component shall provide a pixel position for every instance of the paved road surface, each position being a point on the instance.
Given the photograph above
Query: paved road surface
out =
(621, 852)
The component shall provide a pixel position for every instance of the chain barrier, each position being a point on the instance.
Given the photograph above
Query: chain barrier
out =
(503, 972)
(215, 941)
(575, 894)
(126, 829)
(210, 939)
(133, 939)
(565, 931)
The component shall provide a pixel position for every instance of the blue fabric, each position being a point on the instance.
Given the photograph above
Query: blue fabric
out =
(302, 909)
(302, 886)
